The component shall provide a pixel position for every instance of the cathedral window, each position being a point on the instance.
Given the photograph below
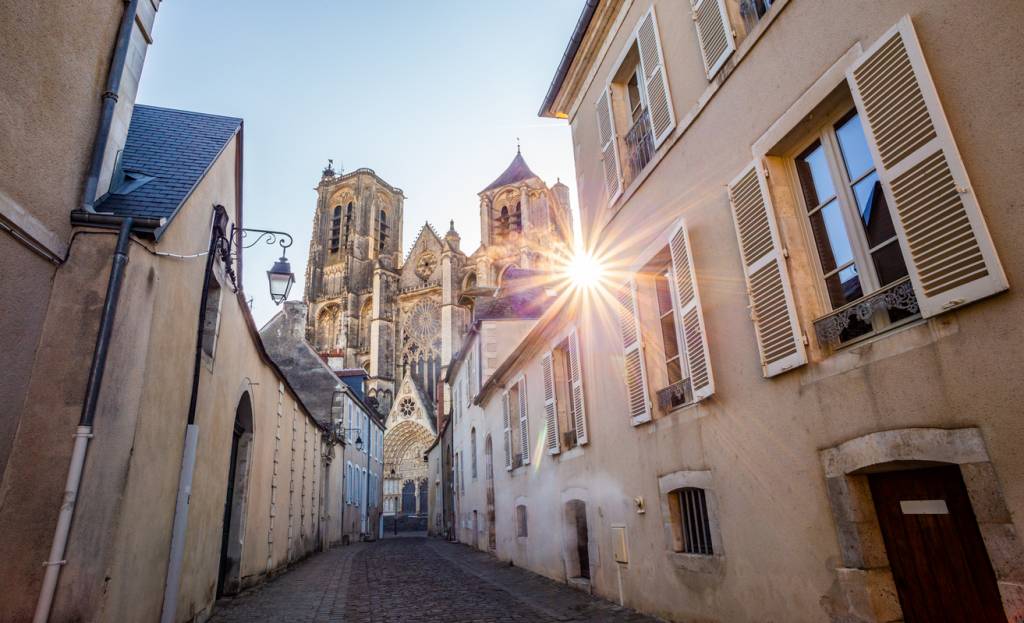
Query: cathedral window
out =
(382, 230)
(503, 223)
(336, 229)
(516, 220)
(348, 219)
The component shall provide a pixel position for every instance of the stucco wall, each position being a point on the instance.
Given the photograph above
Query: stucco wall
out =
(760, 438)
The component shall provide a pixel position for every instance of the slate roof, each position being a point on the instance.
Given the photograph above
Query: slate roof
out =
(173, 147)
(517, 171)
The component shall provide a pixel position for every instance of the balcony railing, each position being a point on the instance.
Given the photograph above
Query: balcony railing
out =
(639, 146)
(676, 394)
(897, 295)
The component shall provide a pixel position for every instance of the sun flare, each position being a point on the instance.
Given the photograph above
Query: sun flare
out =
(584, 270)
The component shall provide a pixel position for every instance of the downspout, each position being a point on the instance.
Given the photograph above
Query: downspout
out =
(109, 102)
(188, 458)
(85, 421)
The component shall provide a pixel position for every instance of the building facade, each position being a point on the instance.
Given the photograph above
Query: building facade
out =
(795, 387)
(401, 318)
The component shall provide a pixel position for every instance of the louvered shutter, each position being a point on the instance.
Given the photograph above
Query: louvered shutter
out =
(579, 413)
(777, 329)
(714, 33)
(507, 423)
(551, 431)
(609, 145)
(652, 64)
(689, 315)
(524, 422)
(633, 355)
(942, 233)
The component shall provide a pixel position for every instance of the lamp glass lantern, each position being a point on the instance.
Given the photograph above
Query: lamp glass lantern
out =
(281, 279)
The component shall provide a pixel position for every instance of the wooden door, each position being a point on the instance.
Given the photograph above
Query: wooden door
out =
(938, 558)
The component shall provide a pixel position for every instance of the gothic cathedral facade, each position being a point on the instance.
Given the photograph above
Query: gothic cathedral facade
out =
(401, 318)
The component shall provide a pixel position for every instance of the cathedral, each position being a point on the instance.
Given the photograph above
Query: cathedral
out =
(401, 318)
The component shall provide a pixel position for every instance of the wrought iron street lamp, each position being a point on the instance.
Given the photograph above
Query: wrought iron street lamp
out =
(280, 277)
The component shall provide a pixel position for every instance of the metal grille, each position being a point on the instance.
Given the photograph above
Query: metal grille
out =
(639, 145)
(693, 510)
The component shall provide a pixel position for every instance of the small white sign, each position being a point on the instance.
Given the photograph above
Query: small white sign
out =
(924, 507)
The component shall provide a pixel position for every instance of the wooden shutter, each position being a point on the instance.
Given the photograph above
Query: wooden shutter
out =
(551, 431)
(777, 329)
(689, 315)
(609, 145)
(524, 422)
(947, 247)
(579, 414)
(632, 346)
(652, 65)
(714, 33)
(507, 423)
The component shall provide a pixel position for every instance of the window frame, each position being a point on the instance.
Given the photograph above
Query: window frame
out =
(824, 133)
(563, 392)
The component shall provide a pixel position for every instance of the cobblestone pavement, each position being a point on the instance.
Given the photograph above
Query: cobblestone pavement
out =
(414, 580)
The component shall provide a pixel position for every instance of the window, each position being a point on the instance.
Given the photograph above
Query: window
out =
(516, 425)
(211, 318)
(382, 230)
(753, 10)
(472, 443)
(690, 522)
(521, 529)
(637, 100)
(336, 229)
(565, 421)
(563, 395)
(669, 340)
(850, 223)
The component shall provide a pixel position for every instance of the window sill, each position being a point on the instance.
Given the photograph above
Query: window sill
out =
(697, 563)
(572, 453)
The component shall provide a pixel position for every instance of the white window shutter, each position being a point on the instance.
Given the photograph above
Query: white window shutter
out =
(609, 145)
(652, 64)
(777, 329)
(714, 33)
(947, 247)
(507, 423)
(524, 422)
(579, 413)
(551, 432)
(632, 346)
(689, 315)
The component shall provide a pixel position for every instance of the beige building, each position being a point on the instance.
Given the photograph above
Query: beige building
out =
(794, 394)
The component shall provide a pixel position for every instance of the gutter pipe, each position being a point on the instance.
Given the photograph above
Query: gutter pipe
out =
(188, 459)
(109, 102)
(84, 432)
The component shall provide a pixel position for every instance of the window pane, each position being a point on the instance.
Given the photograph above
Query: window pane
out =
(889, 263)
(830, 236)
(815, 179)
(844, 286)
(856, 156)
(664, 295)
(874, 210)
(668, 335)
(675, 372)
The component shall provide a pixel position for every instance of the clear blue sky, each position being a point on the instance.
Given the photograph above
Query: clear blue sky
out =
(432, 95)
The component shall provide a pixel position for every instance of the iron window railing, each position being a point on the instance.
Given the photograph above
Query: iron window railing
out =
(639, 145)
(693, 509)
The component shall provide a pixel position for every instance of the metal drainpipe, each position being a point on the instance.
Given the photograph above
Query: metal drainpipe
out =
(109, 102)
(188, 458)
(84, 431)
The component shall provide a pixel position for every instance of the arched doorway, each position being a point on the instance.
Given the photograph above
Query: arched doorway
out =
(229, 578)
(492, 538)
(577, 541)
(408, 498)
(422, 509)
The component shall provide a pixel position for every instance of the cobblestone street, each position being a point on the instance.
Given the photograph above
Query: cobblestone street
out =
(414, 579)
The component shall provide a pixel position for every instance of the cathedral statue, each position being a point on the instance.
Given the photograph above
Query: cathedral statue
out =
(402, 318)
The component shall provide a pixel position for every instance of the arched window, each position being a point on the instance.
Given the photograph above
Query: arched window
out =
(348, 219)
(516, 221)
(382, 230)
(503, 222)
(336, 230)
(472, 449)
